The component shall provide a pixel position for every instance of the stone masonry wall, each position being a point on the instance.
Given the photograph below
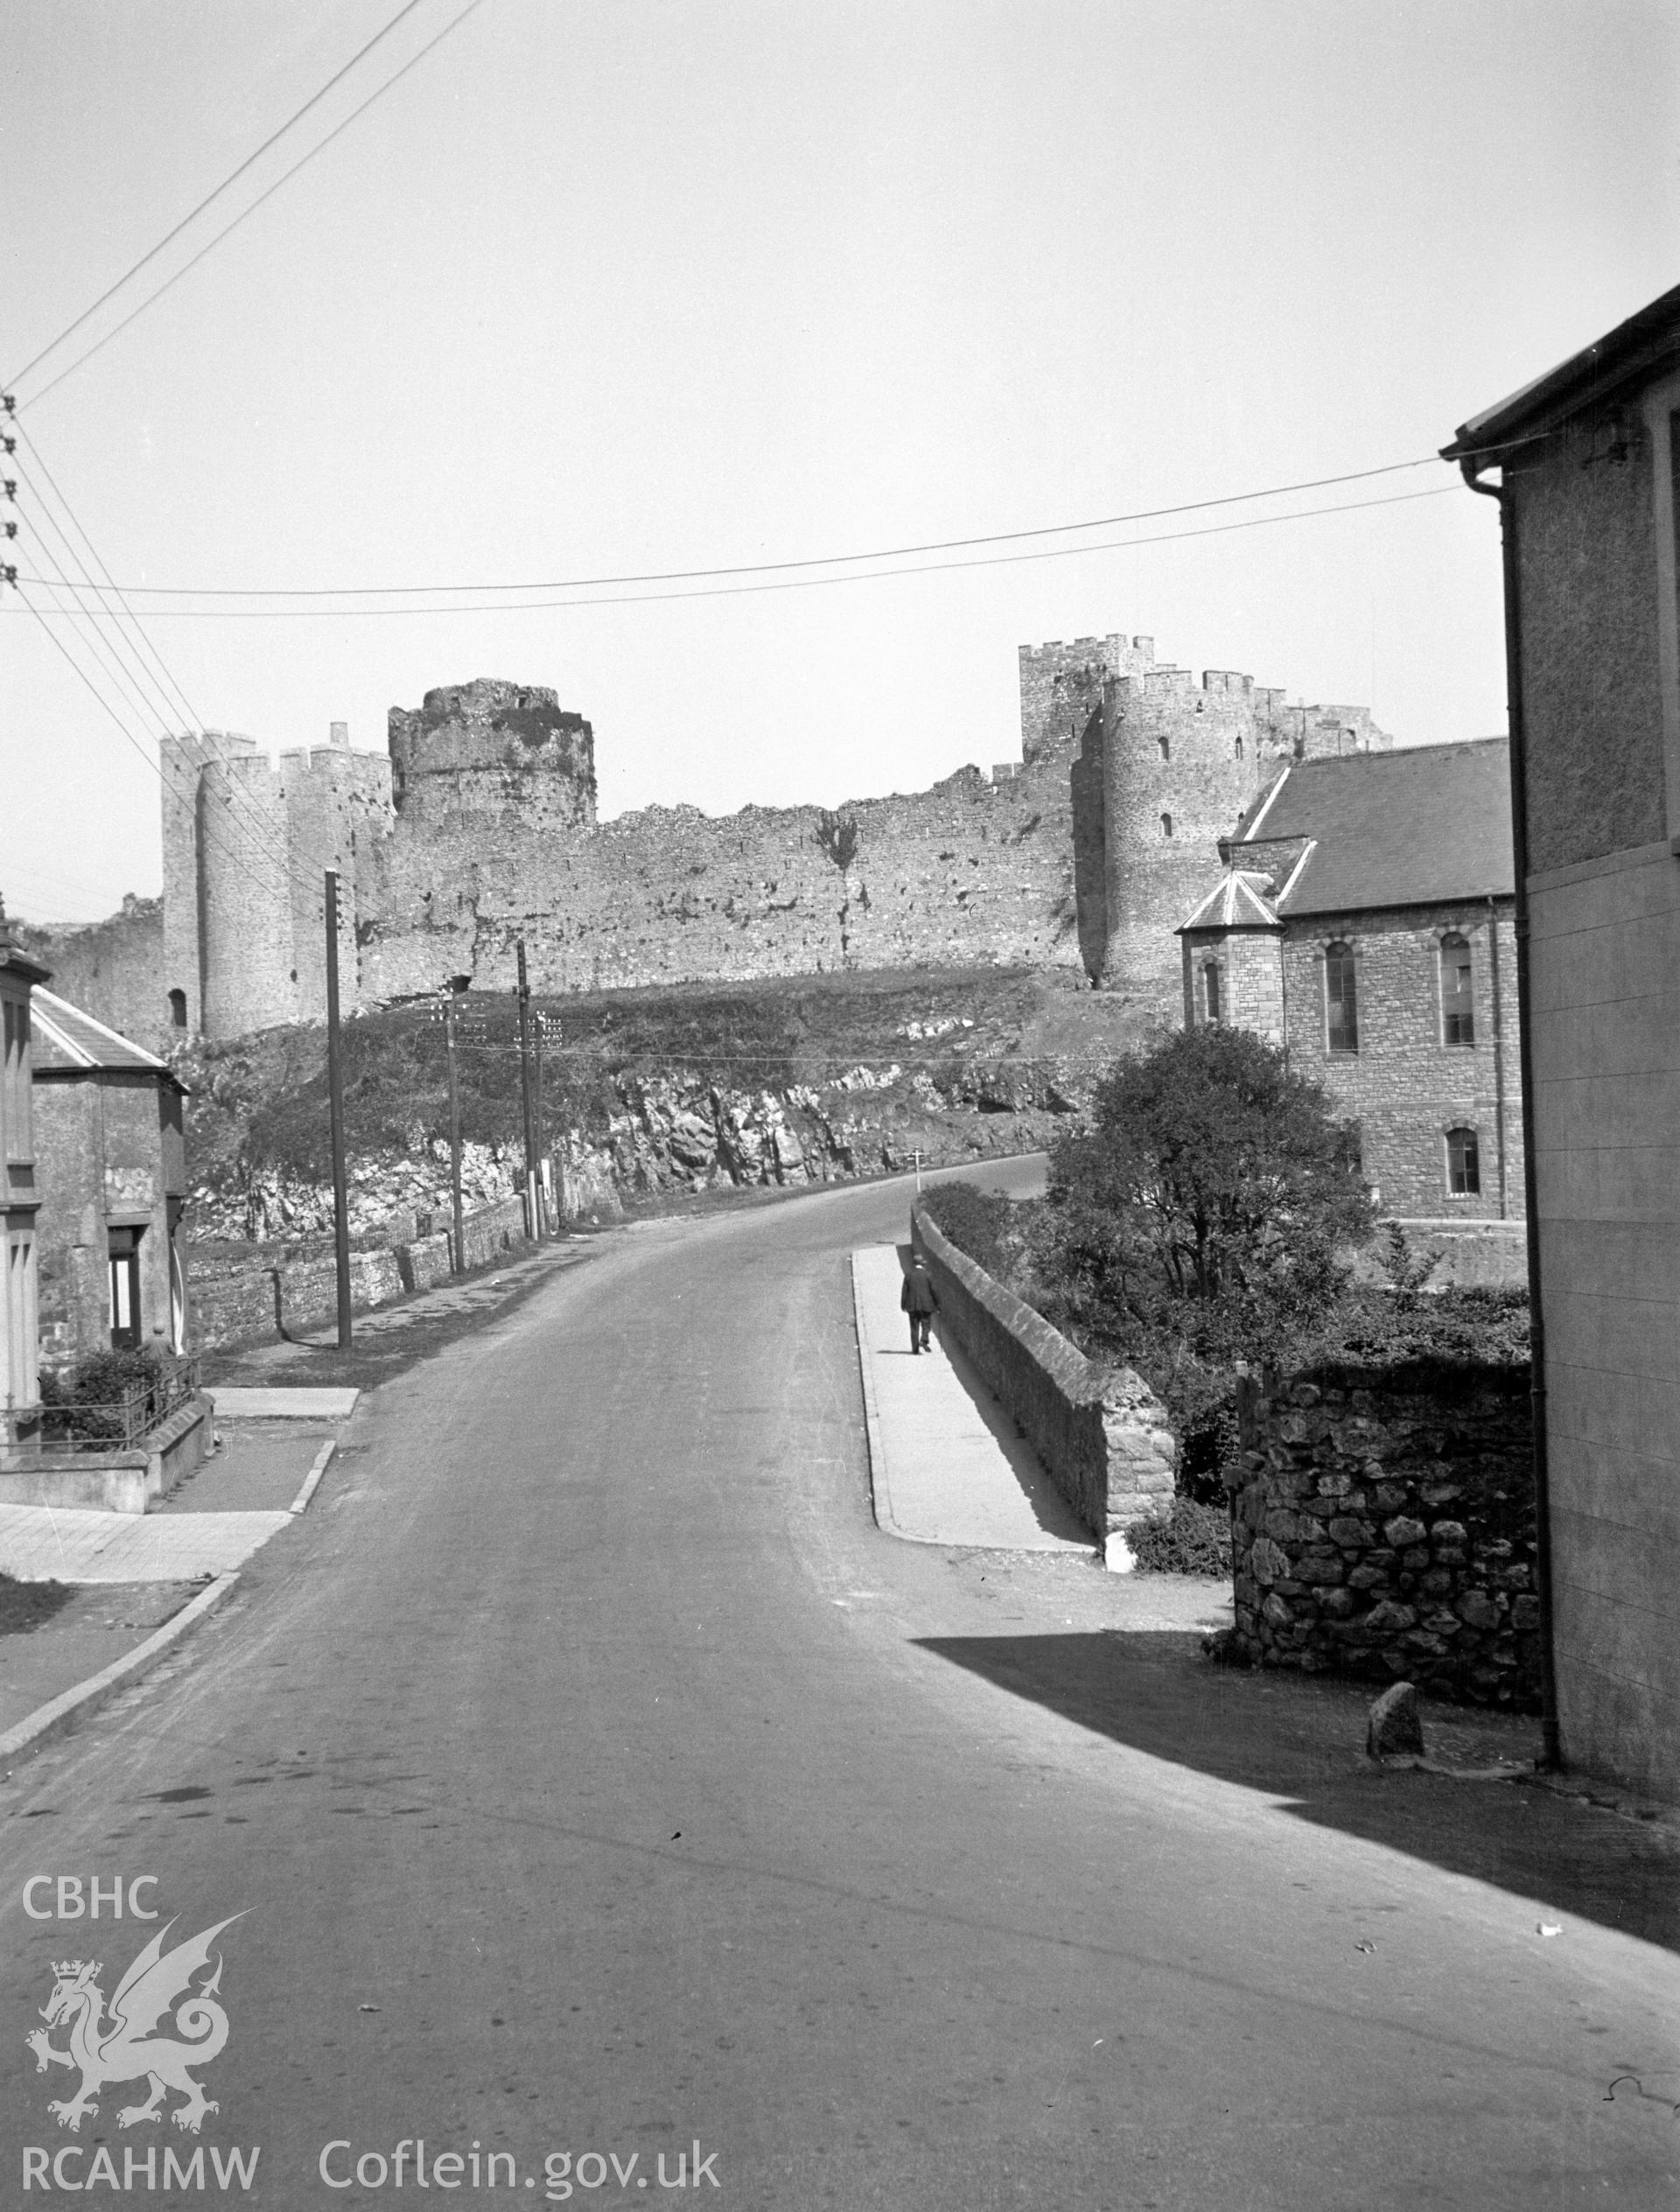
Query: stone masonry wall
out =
(1405, 1086)
(1101, 1433)
(112, 969)
(1383, 1526)
(968, 873)
(479, 828)
(1181, 761)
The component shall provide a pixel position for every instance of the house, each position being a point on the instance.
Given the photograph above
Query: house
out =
(1365, 923)
(20, 1396)
(1583, 462)
(111, 1170)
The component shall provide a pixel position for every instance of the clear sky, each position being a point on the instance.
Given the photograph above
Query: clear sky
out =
(637, 285)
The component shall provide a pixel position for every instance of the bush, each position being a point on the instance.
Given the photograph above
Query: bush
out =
(977, 1221)
(1196, 1540)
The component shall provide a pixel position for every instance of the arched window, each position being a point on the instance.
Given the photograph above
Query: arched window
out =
(1463, 1163)
(178, 1009)
(1341, 999)
(1458, 1007)
(1166, 748)
(1210, 989)
(1167, 825)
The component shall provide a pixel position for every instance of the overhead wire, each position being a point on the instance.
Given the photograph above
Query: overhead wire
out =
(124, 665)
(780, 583)
(320, 146)
(210, 198)
(770, 568)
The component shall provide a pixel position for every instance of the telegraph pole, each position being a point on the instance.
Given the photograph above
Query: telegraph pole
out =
(335, 1095)
(454, 1129)
(532, 1214)
(541, 1132)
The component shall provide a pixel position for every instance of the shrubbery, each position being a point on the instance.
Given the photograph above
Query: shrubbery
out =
(1199, 1220)
(1196, 1540)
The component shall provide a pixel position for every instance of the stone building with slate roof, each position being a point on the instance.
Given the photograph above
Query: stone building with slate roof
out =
(111, 1179)
(1585, 463)
(1365, 921)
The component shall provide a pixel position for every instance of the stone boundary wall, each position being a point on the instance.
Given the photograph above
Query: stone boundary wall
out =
(1101, 1433)
(256, 1301)
(1383, 1525)
(1483, 1255)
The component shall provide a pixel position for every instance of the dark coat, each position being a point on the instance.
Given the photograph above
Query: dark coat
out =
(917, 1295)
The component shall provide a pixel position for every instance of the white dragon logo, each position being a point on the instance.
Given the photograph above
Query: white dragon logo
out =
(124, 2048)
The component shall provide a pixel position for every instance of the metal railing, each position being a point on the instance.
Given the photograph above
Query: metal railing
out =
(124, 1423)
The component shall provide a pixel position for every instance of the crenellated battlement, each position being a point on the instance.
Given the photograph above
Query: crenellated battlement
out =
(478, 827)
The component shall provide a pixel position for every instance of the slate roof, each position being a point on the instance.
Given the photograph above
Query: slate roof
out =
(1420, 826)
(65, 1040)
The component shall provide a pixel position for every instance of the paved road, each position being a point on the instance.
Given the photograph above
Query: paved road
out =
(596, 1778)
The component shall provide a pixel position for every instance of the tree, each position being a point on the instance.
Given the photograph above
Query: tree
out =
(1203, 1210)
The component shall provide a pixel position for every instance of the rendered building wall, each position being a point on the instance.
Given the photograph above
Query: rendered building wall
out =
(1596, 587)
(108, 1153)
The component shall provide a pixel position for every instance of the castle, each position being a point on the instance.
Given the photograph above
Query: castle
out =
(478, 829)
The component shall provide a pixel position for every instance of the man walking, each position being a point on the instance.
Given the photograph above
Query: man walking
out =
(918, 1299)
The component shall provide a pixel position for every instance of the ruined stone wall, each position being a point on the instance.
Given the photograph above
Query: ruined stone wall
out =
(1063, 686)
(971, 872)
(501, 756)
(182, 761)
(1181, 761)
(1384, 1526)
(112, 969)
(480, 830)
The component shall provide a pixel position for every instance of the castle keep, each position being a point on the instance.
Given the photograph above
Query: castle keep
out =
(477, 828)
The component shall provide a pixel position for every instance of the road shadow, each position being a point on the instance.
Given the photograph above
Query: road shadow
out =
(1301, 1741)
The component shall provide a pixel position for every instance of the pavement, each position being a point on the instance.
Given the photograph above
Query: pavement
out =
(945, 1464)
(597, 1781)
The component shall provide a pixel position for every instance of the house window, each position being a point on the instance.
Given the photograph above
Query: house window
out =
(123, 1249)
(1341, 999)
(1166, 748)
(1463, 1163)
(1458, 1009)
(1210, 989)
(1167, 825)
(178, 1009)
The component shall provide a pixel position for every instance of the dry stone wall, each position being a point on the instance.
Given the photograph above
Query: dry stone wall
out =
(1383, 1526)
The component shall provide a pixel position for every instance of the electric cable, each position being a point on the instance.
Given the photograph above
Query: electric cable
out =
(784, 584)
(210, 198)
(194, 719)
(151, 299)
(256, 825)
(764, 568)
(157, 767)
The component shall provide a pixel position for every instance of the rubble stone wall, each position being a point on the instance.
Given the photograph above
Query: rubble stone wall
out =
(1101, 1433)
(1383, 1525)
(477, 828)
